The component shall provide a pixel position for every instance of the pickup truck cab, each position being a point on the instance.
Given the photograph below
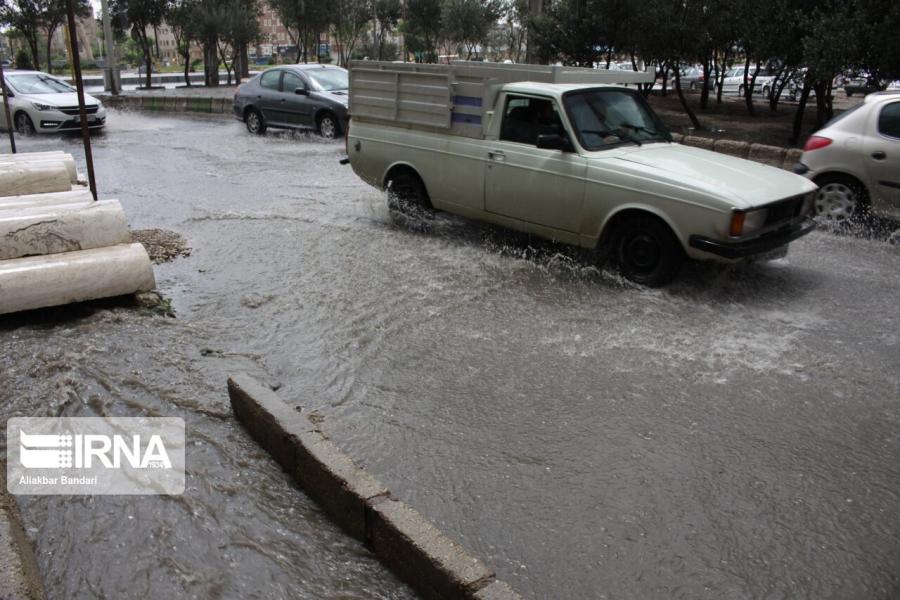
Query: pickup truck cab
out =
(564, 158)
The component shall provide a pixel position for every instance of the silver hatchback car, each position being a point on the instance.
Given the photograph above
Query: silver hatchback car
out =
(855, 160)
(295, 97)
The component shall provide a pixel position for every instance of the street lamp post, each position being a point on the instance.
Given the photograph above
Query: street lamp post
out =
(113, 82)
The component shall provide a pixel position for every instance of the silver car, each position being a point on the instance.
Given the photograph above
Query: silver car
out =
(295, 97)
(855, 160)
(42, 103)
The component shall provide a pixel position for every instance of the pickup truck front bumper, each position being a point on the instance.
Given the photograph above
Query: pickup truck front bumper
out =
(758, 245)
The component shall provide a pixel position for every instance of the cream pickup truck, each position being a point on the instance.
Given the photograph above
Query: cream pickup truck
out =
(573, 155)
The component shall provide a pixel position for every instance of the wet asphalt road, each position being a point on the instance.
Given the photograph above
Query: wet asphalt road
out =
(734, 435)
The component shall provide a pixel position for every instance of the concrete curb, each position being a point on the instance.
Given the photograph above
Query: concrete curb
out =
(774, 156)
(407, 543)
(19, 574)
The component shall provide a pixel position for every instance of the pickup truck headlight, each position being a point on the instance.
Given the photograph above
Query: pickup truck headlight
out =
(40, 106)
(746, 222)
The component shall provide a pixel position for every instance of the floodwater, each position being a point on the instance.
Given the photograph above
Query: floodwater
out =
(734, 435)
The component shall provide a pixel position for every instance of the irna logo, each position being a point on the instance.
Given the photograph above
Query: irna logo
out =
(67, 451)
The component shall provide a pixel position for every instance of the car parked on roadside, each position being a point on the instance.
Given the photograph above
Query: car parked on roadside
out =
(855, 160)
(733, 84)
(42, 103)
(861, 85)
(691, 79)
(295, 97)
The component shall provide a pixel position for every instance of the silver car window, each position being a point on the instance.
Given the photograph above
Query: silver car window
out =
(889, 120)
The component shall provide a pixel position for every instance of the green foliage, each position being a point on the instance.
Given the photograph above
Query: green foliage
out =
(23, 59)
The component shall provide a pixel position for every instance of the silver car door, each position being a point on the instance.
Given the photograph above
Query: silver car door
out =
(882, 158)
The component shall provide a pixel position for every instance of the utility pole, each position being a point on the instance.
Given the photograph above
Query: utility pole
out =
(111, 79)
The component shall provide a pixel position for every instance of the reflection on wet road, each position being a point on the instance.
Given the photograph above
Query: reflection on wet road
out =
(733, 435)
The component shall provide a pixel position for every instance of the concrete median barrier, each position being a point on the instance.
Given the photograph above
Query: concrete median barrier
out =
(698, 142)
(769, 155)
(406, 542)
(791, 158)
(52, 230)
(55, 279)
(203, 105)
(732, 148)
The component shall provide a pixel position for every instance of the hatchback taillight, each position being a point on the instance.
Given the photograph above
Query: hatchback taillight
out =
(815, 142)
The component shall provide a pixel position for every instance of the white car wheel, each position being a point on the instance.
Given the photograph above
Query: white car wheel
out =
(23, 124)
(837, 203)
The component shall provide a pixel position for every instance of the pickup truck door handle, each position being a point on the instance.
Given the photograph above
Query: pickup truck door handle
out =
(496, 155)
(879, 155)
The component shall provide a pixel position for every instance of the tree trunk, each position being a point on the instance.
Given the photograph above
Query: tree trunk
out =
(801, 107)
(49, 56)
(748, 87)
(781, 82)
(704, 92)
(684, 104)
(187, 71)
(722, 73)
(245, 60)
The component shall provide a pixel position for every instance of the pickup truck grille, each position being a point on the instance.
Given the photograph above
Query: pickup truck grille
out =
(73, 110)
(785, 210)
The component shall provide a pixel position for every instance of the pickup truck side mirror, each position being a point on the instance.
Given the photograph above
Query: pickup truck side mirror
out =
(301, 91)
(554, 141)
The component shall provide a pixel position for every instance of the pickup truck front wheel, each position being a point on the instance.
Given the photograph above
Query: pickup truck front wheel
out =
(646, 251)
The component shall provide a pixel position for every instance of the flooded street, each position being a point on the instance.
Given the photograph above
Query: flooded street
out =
(735, 435)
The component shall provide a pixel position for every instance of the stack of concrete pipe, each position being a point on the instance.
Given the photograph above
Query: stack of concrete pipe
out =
(57, 245)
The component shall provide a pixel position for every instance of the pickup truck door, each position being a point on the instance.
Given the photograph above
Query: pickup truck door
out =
(882, 157)
(540, 186)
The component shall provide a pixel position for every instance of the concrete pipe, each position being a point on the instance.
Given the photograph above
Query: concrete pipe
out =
(56, 279)
(34, 179)
(13, 203)
(63, 229)
(48, 160)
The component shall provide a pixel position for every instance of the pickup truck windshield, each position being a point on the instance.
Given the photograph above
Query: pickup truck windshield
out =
(604, 118)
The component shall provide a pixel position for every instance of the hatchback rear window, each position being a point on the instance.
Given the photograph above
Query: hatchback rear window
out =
(843, 114)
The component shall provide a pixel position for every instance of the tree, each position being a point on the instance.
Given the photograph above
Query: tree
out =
(54, 16)
(25, 17)
(239, 26)
(143, 16)
(387, 16)
(304, 20)
(514, 14)
(182, 19)
(468, 22)
(423, 28)
(350, 18)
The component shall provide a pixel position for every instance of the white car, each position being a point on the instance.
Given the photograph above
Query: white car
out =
(41, 103)
(855, 160)
(733, 84)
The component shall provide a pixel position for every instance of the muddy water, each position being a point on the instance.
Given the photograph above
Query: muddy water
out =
(733, 435)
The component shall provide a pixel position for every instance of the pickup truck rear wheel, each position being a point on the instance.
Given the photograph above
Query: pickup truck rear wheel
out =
(407, 195)
(646, 251)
